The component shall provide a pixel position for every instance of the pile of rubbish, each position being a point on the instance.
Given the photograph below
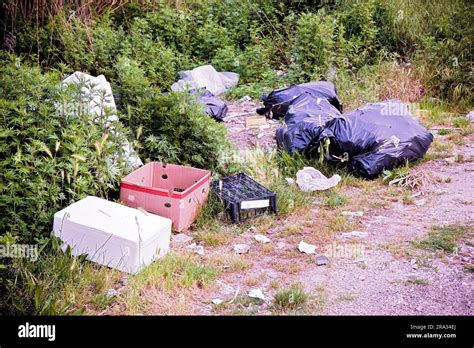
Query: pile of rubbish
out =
(369, 139)
(207, 84)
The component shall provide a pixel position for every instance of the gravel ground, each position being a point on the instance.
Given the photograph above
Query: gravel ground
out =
(247, 138)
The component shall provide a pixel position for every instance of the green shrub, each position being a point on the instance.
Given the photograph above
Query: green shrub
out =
(50, 157)
(159, 62)
(313, 48)
(356, 20)
(255, 65)
(131, 81)
(226, 59)
(174, 128)
(210, 37)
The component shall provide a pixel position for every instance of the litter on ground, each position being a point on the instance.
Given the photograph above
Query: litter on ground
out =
(307, 248)
(257, 293)
(310, 179)
(261, 238)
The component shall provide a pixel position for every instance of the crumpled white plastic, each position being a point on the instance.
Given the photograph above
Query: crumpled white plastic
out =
(206, 77)
(311, 179)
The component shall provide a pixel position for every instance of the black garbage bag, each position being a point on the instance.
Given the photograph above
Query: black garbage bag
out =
(303, 120)
(369, 139)
(215, 107)
(278, 101)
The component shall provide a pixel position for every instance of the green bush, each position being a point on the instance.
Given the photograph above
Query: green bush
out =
(313, 48)
(159, 62)
(357, 23)
(210, 37)
(226, 59)
(174, 128)
(50, 157)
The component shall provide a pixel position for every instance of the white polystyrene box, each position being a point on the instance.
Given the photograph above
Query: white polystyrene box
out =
(112, 234)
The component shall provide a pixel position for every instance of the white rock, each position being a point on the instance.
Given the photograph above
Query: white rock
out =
(290, 181)
(307, 248)
(111, 293)
(261, 238)
(354, 235)
(420, 202)
(198, 249)
(246, 98)
(182, 238)
(217, 301)
(281, 245)
(257, 293)
(450, 160)
(353, 213)
(260, 135)
(241, 248)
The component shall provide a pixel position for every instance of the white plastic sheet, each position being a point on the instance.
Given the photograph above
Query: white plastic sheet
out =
(311, 179)
(206, 77)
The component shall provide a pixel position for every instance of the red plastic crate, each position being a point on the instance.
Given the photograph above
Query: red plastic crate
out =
(169, 190)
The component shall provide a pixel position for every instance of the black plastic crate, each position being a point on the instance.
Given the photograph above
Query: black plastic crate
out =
(244, 198)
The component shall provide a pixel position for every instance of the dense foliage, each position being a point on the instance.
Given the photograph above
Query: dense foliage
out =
(309, 39)
(52, 152)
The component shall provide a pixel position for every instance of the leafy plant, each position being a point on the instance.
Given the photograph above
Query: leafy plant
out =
(53, 152)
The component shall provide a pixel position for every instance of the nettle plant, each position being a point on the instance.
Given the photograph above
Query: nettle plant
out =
(52, 152)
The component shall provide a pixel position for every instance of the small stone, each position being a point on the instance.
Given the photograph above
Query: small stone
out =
(353, 213)
(322, 260)
(361, 278)
(197, 249)
(217, 301)
(420, 202)
(261, 238)
(241, 248)
(182, 238)
(264, 126)
(252, 229)
(470, 116)
(257, 293)
(111, 293)
(354, 235)
(307, 248)
(450, 160)
(260, 135)
(246, 98)
(290, 181)
(280, 245)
